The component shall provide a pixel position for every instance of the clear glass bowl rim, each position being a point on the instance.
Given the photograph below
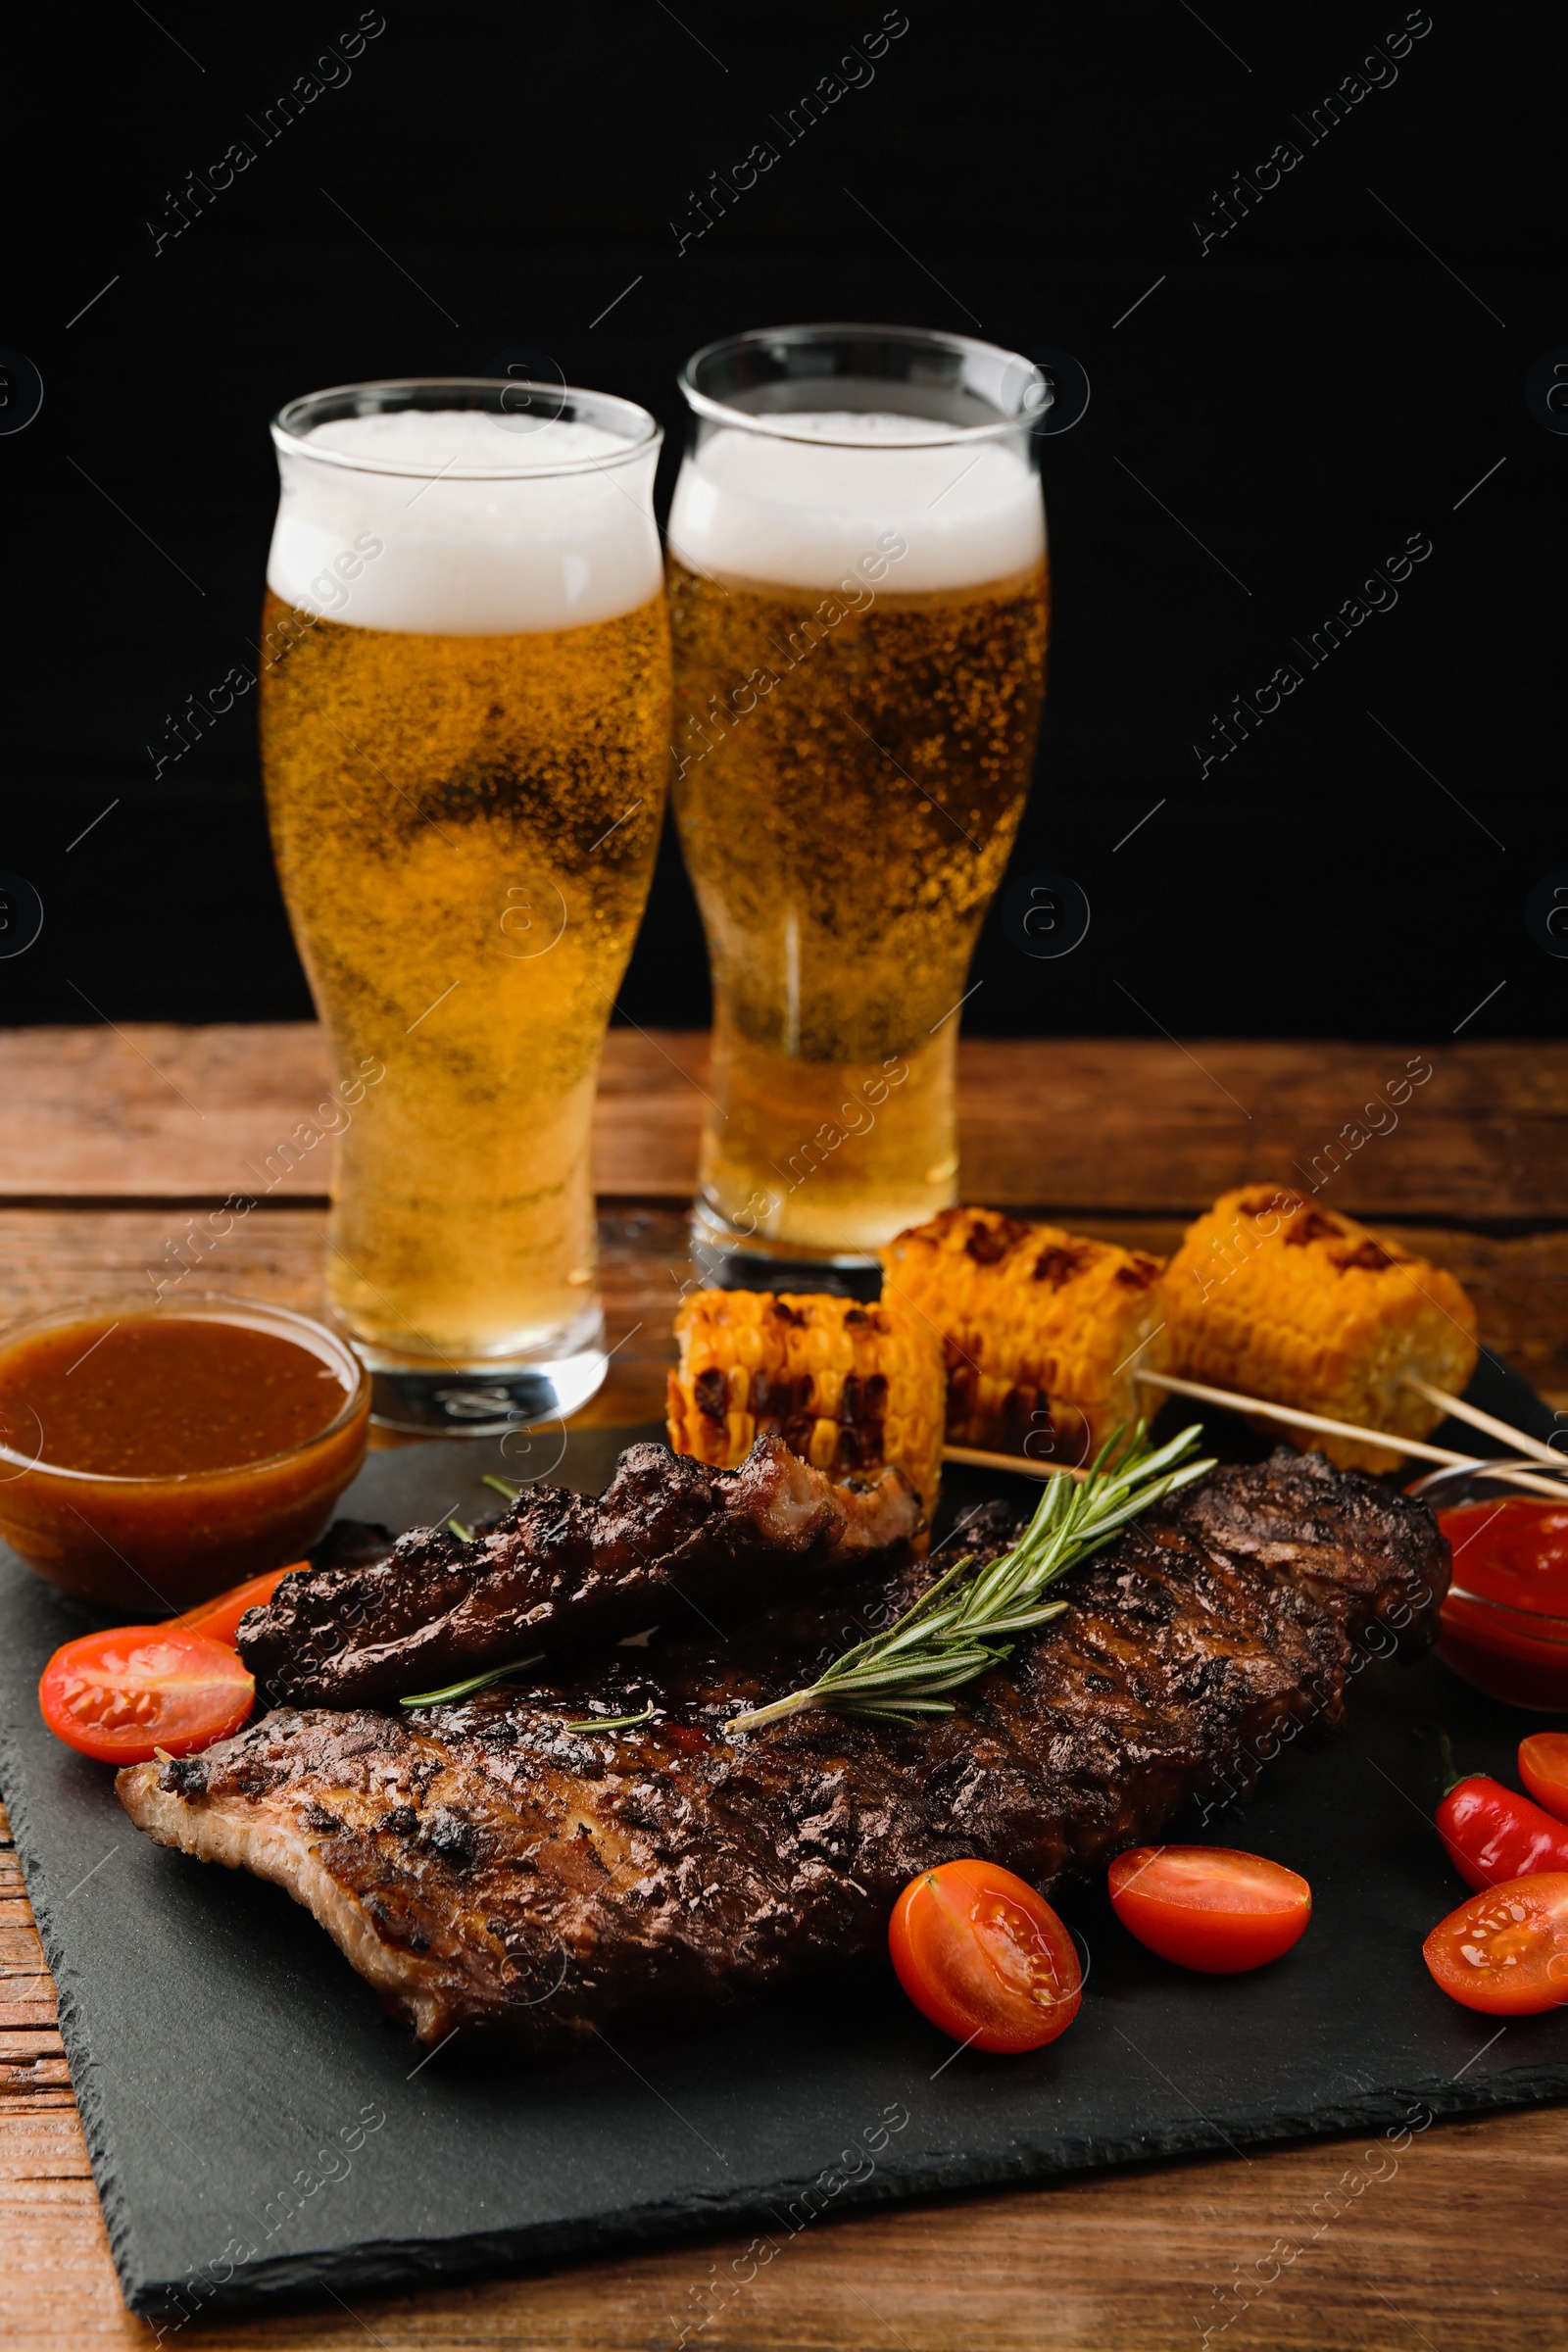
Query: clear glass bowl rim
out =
(206, 1305)
(1452, 1480)
(290, 437)
(1535, 1624)
(775, 423)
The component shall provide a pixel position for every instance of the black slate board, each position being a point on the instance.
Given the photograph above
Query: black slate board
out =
(258, 2133)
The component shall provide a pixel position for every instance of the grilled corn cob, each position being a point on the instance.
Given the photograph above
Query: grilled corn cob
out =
(1273, 1296)
(852, 1389)
(1042, 1329)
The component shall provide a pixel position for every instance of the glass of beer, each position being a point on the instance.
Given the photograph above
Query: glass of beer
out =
(465, 704)
(857, 592)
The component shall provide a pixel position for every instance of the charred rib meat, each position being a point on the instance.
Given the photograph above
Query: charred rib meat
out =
(667, 1534)
(484, 1862)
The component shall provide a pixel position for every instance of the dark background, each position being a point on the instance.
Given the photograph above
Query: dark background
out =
(1327, 380)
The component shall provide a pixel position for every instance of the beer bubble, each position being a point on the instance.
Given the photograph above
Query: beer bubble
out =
(1546, 398)
(835, 497)
(1045, 915)
(21, 915)
(431, 523)
(877, 576)
(1546, 914)
(442, 751)
(21, 391)
(528, 917)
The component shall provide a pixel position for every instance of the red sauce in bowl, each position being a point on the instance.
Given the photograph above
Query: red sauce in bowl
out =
(1505, 1623)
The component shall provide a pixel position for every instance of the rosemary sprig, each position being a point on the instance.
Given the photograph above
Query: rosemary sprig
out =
(612, 1723)
(475, 1682)
(503, 1486)
(953, 1631)
(465, 1534)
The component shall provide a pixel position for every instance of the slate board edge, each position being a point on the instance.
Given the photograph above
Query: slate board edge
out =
(383, 2266)
(113, 2200)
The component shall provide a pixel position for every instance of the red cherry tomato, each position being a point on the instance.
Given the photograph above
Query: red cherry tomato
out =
(218, 1618)
(1210, 1907)
(984, 1957)
(1506, 1952)
(122, 1695)
(1543, 1770)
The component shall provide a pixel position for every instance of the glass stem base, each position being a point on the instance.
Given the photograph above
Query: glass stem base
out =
(485, 1398)
(727, 1260)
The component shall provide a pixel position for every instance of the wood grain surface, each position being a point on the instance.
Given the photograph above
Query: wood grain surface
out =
(1458, 2245)
(1107, 1124)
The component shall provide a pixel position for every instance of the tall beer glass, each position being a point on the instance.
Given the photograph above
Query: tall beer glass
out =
(858, 597)
(464, 721)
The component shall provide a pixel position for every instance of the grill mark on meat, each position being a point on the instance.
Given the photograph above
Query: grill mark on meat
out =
(671, 1870)
(668, 1535)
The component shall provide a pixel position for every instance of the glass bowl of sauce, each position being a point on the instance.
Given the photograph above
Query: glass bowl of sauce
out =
(1505, 1623)
(152, 1457)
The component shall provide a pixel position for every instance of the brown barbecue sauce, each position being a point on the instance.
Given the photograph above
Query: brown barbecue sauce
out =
(159, 1396)
(156, 1457)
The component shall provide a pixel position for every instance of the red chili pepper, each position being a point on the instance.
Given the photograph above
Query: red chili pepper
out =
(1492, 1833)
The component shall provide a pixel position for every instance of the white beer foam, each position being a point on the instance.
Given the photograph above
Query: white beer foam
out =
(439, 548)
(756, 505)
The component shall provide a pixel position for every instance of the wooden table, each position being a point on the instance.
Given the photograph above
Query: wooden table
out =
(114, 1140)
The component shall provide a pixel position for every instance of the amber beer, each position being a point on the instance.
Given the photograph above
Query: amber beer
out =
(859, 602)
(464, 819)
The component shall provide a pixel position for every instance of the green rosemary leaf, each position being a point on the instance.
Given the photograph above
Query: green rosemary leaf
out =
(465, 1534)
(907, 1714)
(503, 1486)
(954, 1666)
(611, 1723)
(954, 1631)
(1025, 1620)
(475, 1682)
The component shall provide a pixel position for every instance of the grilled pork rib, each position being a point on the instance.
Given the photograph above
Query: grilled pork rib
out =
(667, 1534)
(483, 1864)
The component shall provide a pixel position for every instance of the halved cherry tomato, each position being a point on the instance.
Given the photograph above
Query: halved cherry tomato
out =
(1210, 1907)
(218, 1618)
(122, 1695)
(1543, 1770)
(1506, 1952)
(984, 1957)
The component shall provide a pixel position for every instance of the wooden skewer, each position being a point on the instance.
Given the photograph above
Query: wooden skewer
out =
(1296, 1418)
(1022, 1465)
(1293, 1416)
(1462, 1411)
